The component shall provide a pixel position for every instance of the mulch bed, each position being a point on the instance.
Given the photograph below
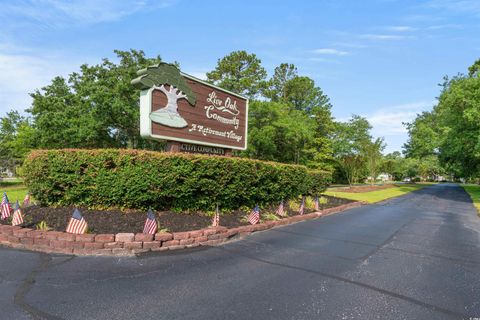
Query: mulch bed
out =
(361, 189)
(116, 221)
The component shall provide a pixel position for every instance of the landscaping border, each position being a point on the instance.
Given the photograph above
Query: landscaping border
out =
(135, 243)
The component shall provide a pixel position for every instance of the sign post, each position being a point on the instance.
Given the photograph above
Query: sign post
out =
(191, 115)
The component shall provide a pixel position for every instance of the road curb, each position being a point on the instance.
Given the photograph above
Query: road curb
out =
(127, 244)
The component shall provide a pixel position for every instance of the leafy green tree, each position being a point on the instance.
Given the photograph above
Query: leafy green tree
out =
(276, 86)
(372, 153)
(347, 141)
(302, 94)
(16, 139)
(239, 72)
(423, 136)
(277, 133)
(392, 164)
(95, 107)
(458, 114)
(321, 146)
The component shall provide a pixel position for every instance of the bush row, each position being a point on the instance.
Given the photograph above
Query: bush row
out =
(141, 179)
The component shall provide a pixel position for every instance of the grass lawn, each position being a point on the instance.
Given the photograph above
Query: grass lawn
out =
(474, 192)
(15, 190)
(378, 195)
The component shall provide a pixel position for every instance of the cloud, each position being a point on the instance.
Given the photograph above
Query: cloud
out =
(370, 36)
(330, 51)
(351, 45)
(325, 60)
(401, 28)
(22, 71)
(57, 13)
(388, 122)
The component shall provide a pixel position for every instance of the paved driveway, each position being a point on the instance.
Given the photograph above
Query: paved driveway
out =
(413, 257)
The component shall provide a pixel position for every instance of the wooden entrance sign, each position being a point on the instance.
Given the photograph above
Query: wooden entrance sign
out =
(192, 115)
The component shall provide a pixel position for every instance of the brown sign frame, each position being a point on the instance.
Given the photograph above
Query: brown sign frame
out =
(146, 124)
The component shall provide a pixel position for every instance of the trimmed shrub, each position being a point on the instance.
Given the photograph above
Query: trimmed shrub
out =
(138, 179)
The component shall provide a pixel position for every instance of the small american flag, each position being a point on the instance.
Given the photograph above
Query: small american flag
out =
(150, 224)
(5, 208)
(281, 209)
(216, 218)
(254, 216)
(17, 215)
(26, 201)
(77, 223)
(316, 203)
(302, 206)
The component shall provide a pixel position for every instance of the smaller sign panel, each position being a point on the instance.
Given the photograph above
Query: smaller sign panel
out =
(180, 107)
(193, 148)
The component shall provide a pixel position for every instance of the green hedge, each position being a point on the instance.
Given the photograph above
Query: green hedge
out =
(141, 179)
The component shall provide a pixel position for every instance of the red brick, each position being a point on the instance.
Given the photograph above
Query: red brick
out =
(102, 252)
(231, 233)
(221, 229)
(59, 244)
(143, 237)
(270, 224)
(64, 250)
(5, 229)
(196, 233)
(259, 227)
(124, 237)
(66, 236)
(93, 245)
(160, 249)
(121, 252)
(52, 235)
(176, 247)
(164, 236)
(217, 236)
(85, 238)
(41, 242)
(151, 244)
(245, 228)
(39, 234)
(187, 241)
(21, 232)
(74, 245)
(133, 245)
(13, 239)
(26, 241)
(92, 251)
(180, 235)
(171, 243)
(201, 239)
(105, 237)
(138, 251)
(113, 245)
(209, 231)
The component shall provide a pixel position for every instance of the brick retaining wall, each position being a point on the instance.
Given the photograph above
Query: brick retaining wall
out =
(133, 243)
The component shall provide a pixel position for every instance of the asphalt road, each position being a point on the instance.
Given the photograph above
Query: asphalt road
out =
(413, 257)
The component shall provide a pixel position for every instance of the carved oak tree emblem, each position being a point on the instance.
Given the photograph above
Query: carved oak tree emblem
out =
(158, 77)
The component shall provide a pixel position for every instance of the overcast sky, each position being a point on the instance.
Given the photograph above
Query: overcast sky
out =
(379, 59)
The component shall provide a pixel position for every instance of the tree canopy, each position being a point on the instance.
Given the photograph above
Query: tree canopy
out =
(290, 118)
(239, 72)
(451, 131)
